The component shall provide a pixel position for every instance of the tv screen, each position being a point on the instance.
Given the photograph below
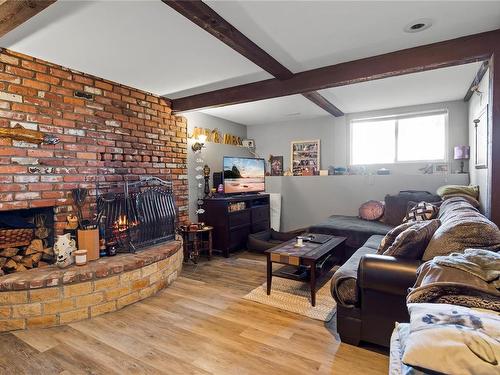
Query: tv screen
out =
(243, 175)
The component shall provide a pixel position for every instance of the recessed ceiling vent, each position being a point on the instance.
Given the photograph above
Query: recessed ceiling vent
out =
(418, 25)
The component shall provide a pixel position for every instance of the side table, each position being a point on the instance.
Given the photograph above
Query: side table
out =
(196, 241)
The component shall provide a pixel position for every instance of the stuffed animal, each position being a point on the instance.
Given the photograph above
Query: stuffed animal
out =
(63, 249)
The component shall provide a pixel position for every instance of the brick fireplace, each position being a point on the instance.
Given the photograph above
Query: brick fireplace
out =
(107, 131)
(108, 134)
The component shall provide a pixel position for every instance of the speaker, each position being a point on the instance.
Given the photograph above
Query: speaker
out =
(217, 179)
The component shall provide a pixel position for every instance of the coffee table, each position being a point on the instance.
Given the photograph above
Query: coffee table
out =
(314, 257)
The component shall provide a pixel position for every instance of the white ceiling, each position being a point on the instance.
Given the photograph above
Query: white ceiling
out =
(143, 44)
(303, 35)
(146, 44)
(432, 86)
(268, 111)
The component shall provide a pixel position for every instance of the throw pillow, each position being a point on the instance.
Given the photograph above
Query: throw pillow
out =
(396, 205)
(391, 236)
(472, 190)
(371, 210)
(421, 211)
(412, 242)
(450, 339)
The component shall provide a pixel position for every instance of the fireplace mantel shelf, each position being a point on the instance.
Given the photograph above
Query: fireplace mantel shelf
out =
(104, 267)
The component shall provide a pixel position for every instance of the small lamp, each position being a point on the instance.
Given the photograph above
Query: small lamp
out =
(200, 142)
(461, 152)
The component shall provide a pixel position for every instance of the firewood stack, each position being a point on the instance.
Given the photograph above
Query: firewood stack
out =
(16, 259)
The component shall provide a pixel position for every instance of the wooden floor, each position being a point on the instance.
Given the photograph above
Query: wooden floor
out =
(199, 325)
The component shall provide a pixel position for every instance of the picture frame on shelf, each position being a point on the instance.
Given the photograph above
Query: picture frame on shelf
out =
(276, 163)
(305, 157)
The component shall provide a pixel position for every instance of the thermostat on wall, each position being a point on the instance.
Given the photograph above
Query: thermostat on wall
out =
(249, 143)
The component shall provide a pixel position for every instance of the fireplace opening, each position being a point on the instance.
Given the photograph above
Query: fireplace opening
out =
(26, 239)
(137, 214)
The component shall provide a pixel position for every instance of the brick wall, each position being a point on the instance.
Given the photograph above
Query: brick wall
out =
(118, 133)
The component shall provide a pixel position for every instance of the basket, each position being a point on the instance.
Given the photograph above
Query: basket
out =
(16, 237)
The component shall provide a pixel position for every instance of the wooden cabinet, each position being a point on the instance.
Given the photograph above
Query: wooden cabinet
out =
(234, 218)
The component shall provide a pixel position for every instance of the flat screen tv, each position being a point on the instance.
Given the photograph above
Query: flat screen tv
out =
(243, 175)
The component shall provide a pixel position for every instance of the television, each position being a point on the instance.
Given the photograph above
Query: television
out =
(243, 175)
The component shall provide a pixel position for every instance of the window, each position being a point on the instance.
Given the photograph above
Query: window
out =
(409, 138)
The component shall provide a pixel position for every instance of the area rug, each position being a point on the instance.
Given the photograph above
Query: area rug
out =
(295, 296)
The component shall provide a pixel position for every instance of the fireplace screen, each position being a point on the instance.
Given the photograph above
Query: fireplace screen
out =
(138, 213)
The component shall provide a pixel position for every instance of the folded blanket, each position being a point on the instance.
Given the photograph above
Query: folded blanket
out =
(482, 263)
(438, 283)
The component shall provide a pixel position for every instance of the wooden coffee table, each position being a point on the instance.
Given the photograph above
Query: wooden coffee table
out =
(313, 257)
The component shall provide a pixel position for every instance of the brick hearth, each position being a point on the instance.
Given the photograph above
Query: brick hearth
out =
(116, 133)
(49, 296)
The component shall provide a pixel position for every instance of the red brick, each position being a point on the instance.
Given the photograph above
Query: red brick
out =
(74, 101)
(39, 187)
(9, 78)
(20, 72)
(34, 66)
(36, 84)
(103, 85)
(21, 90)
(47, 78)
(60, 73)
(12, 169)
(24, 108)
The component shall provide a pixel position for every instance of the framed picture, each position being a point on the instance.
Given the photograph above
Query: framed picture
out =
(481, 140)
(276, 165)
(305, 157)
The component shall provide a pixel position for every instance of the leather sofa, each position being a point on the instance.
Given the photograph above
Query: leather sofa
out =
(383, 283)
(371, 289)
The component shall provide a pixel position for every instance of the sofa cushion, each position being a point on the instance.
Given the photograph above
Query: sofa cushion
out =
(411, 243)
(344, 286)
(396, 205)
(462, 227)
(389, 238)
(357, 230)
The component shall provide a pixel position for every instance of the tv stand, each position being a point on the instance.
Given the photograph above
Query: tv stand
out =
(234, 217)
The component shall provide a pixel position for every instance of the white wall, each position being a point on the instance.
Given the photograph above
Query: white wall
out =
(479, 176)
(310, 200)
(334, 135)
(212, 153)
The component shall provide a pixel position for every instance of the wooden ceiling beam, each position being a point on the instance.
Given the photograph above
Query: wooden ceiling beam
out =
(477, 80)
(205, 17)
(322, 102)
(15, 12)
(478, 47)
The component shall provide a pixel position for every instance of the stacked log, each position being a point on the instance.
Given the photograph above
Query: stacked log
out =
(17, 259)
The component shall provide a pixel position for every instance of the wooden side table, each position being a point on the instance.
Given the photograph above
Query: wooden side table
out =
(196, 241)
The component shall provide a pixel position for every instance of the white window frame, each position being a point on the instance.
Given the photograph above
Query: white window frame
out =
(396, 128)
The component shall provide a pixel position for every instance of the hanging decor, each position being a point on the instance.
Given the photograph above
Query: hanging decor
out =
(216, 136)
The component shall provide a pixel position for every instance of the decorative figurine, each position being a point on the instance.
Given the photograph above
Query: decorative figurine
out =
(63, 249)
(206, 176)
(72, 223)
